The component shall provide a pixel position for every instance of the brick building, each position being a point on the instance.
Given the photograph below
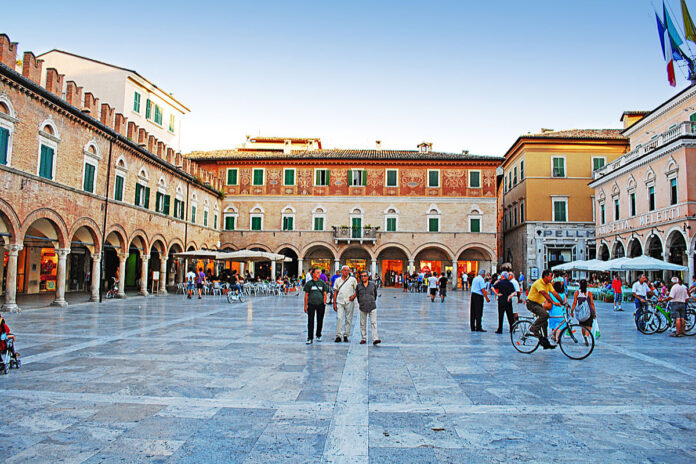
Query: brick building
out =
(87, 194)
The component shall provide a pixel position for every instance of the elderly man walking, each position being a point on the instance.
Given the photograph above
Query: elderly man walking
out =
(366, 293)
(343, 289)
(478, 293)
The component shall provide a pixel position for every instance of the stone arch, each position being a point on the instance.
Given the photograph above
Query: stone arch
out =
(191, 246)
(9, 218)
(161, 240)
(649, 175)
(143, 174)
(140, 235)
(475, 245)
(618, 249)
(93, 229)
(7, 103)
(631, 184)
(632, 251)
(603, 251)
(53, 217)
(438, 246)
(94, 148)
(204, 246)
(287, 245)
(120, 234)
(229, 245)
(326, 245)
(653, 244)
(257, 245)
(121, 163)
(175, 241)
(384, 246)
(676, 247)
(50, 124)
(351, 247)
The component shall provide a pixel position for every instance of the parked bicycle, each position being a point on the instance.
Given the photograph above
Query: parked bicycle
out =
(113, 291)
(654, 317)
(575, 341)
(234, 294)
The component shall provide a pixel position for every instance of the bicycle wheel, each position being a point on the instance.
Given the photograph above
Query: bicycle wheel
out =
(665, 323)
(242, 297)
(690, 321)
(521, 338)
(574, 343)
(647, 322)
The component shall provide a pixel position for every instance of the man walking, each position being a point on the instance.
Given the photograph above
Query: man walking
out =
(366, 293)
(618, 293)
(478, 293)
(190, 281)
(504, 289)
(539, 302)
(343, 289)
(442, 283)
(314, 303)
(678, 295)
(201, 281)
(432, 286)
(465, 281)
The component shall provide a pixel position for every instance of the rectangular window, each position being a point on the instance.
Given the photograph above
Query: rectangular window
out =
(46, 162)
(88, 181)
(229, 222)
(148, 109)
(289, 177)
(165, 209)
(4, 145)
(357, 177)
(521, 212)
(673, 191)
(514, 216)
(118, 188)
(205, 218)
(514, 177)
(602, 214)
(136, 102)
(598, 163)
(321, 177)
(288, 223)
(158, 115)
(232, 174)
(356, 228)
(475, 225)
(193, 214)
(632, 203)
(433, 224)
(215, 217)
(560, 210)
(172, 122)
(433, 178)
(318, 223)
(475, 179)
(617, 211)
(522, 170)
(256, 223)
(505, 182)
(392, 177)
(558, 167)
(651, 198)
(391, 224)
(257, 177)
(509, 181)
(159, 202)
(179, 209)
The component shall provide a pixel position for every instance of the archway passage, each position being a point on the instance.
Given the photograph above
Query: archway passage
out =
(175, 268)
(471, 260)
(433, 259)
(654, 247)
(156, 273)
(37, 270)
(261, 269)
(619, 251)
(635, 249)
(356, 258)
(113, 246)
(83, 245)
(603, 252)
(134, 263)
(290, 267)
(676, 250)
(393, 263)
(318, 256)
(8, 262)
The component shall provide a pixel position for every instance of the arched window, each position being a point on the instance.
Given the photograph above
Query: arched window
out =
(319, 218)
(49, 138)
(8, 119)
(90, 166)
(162, 199)
(194, 207)
(120, 178)
(179, 202)
(256, 218)
(433, 217)
(287, 218)
(142, 189)
(391, 219)
(476, 219)
(230, 214)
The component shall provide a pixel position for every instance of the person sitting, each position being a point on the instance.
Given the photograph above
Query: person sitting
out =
(556, 312)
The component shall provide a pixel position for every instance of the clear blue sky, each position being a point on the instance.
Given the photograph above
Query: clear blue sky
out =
(460, 74)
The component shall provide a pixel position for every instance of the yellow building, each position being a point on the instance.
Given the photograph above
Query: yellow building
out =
(548, 213)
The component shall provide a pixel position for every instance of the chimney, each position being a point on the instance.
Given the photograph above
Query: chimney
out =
(378, 145)
(54, 82)
(287, 146)
(31, 67)
(132, 131)
(73, 94)
(545, 130)
(91, 105)
(120, 123)
(107, 115)
(151, 143)
(142, 137)
(8, 51)
(465, 152)
(425, 147)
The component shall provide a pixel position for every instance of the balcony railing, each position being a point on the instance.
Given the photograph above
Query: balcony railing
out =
(355, 234)
(683, 129)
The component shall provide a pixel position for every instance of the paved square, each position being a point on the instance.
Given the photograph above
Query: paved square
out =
(164, 379)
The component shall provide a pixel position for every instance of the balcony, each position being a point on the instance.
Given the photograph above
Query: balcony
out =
(355, 234)
(686, 128)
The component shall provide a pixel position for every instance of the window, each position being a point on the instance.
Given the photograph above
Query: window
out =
(288, 222)
(118, 187)
(142, 196)
(289, 176)
(474, 224)
(433, 224)
(88, 177)
(229, 222)
(475, 179)
(148, 109)
(193, 214)
(509, 181)
(356, 227)
(391, 224)
(392, 177)
(514, 177)
(256, 223)
(521, 170)
(136, 102)
(205, 218)
(357, 177)
(258, 174)
(560, 210)
(46, 162)
(558, 167)
(651, 198)
(673, 191)
(4, 145)
(318, 223)
(162, 202)
(632, 203)
(522, 212)
(178, 208)
(319, 218)
(598, 162)
(514, 215)
(158, 115)
(602, 214)
(215, 220)
(617, 211)
(321, 177)
(232, 174)
(172, 123)
(433, 178)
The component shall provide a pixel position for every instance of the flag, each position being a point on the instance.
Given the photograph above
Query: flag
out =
(661, 33)
(689, 29)
(669, 57)
(670, 26)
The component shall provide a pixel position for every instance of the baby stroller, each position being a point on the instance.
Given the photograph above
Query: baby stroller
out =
(8, 357)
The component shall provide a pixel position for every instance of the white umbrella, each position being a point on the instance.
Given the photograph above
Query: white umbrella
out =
(569, 266)
(200, 254)
(611, 265)
(648, 263)
(590, 265)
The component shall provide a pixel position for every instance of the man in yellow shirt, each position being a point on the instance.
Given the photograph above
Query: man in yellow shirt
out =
(539, 294)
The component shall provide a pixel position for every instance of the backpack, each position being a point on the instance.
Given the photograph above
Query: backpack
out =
(582, 312)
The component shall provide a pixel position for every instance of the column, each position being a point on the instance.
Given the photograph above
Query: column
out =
(455, 274)
(180, 272)
(690, 257)
(96, 276)
(122, 257)
(60, 277)
(299, 267)
(337, 265)
(163, 276)
(411, 266)
(273, 270)
(373, 268)
(11, 287)
(143, 274)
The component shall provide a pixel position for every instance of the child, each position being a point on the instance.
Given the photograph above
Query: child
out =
(556, 312)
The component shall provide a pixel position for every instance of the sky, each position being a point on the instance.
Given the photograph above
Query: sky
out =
(462, 75)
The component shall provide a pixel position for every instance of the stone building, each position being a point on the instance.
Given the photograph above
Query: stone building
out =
(547, 208)
(646, 199)
(388, 211)
(87, 194)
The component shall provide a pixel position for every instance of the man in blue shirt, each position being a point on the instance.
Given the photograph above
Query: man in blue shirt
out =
(478, 293)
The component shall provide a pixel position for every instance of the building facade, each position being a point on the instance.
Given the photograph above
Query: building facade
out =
(547, 207)
(646, 199)
(88, 195)
(386, 211)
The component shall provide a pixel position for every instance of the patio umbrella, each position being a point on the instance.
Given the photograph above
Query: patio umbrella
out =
(648, 263)
(198, 254)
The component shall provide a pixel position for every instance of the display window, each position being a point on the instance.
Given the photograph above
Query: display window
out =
(430, 266)
(391, 271)
(49, 270)
(324, 264)
(357, 264)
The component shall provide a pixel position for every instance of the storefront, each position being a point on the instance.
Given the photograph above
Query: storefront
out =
(321, 263)
(48, 270)
(357, 265)
(392, 270)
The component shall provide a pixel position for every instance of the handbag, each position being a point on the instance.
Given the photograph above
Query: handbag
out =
(595, 329)
(582, 312)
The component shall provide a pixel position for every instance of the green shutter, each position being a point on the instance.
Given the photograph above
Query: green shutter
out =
(258, 176)
(46, 162)
(256, 223)
(229, 223)
(391, 224)
(88, 183)
(4, 139)
(475, 179)
(147, 197)
(475, 225)
(318, 223)
(350, 177)
(205, 219)
(118, 190)
(391, 178)
(317, 176)
(364, 178)
(157, 201)
(231, 177)
(136, 102)
(433, 225)
(328, 177)
(147, 108)
(138, 188)
(433, 179)
(167, 199)
(289, 177)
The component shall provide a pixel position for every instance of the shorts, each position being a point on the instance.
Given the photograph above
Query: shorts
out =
(443, 291)
(433, 291)
(189, 286)
(199, 285)
(639, 304)
(677, 310)
(617, 297)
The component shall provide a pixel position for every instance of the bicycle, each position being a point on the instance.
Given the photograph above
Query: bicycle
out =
(234, 294)
(575, 340)
(113, 291)
(653, 318)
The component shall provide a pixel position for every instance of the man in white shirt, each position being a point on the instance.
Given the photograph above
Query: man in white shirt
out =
(478, 293)
(678, 296)
(516, 284)
(432, 286)
(640, 291)
(343, 289)
(465, 282)
(190, 281)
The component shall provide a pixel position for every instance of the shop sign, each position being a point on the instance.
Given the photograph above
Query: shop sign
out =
(567, 233)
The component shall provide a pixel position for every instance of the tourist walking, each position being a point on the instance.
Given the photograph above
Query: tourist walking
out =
(478, 293)
(677, 297)
(190, 283)
(539, 302)
(465, 281)
(616, 285)
(366, 293)
(504, 289)
(581, 297)
(343, 289)
(442, 283)
(432, 286)
(314, 304)
(200, 282)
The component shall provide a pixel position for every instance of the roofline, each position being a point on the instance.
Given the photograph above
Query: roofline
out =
(118, 67)
(496, 160)
(42, 92)
(657, 108)
(633, 113)
(538, 138)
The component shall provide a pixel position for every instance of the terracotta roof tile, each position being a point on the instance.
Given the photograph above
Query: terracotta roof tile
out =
(384, 155)
(610, 134)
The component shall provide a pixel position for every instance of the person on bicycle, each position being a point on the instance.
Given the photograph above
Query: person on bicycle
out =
(678, 295)
(539, 302)
(641, 290)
